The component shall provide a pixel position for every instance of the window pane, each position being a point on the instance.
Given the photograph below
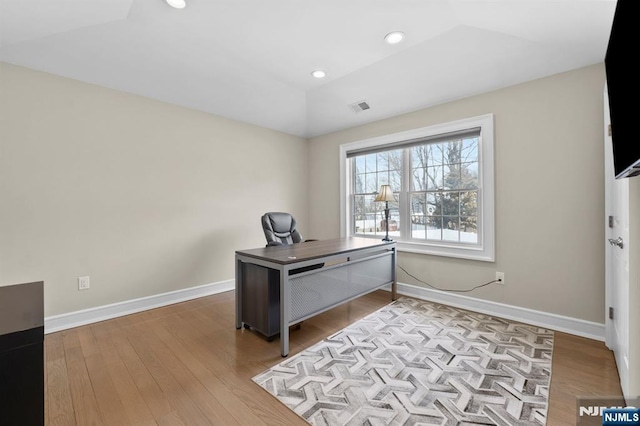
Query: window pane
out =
(469, 175)
(396, 181)
(434, 178)
(395, 159)
(419, 156)
(450, 204)
(371, 163)
(434, 204)
(452, 176)
(434, 228)
(450, 228)
(383, 161)
(368, 225)
(383, 179)
(469, 150)
(377, 206)
(358, 205)
(370, 206)
(417, 181)
(371, 184)
(418, 227)
(469, 230)
(469, 203)
(418, 204)
(359, 184)
(452, 152)
(359, 164)
(380, 224)
(394, 223)
(434, 154)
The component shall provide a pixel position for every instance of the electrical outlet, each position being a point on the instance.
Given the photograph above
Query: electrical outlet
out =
(84, 283)
(500, 277)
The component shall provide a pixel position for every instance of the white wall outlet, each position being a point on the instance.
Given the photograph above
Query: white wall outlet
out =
(84, 283)
(500, 277)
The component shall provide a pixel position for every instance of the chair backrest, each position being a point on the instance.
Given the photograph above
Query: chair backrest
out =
(280, 229)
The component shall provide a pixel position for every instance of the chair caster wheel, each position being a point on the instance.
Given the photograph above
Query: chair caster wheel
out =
(247, 326)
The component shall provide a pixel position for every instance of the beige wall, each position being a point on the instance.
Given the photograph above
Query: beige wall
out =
(549, 193)
(142, 196)
(147, 197)
(634, 286)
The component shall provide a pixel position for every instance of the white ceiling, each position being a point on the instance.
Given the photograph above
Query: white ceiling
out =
(251, 60)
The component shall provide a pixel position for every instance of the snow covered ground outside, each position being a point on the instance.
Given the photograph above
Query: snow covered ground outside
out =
(368, 227)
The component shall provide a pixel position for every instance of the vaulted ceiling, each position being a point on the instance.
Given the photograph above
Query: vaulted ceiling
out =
(251, 60)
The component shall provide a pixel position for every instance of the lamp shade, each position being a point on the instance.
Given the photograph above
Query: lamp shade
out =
(385, 194)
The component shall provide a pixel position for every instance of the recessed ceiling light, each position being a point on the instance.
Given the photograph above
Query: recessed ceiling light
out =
(394, 37)
(319, 74)
(178, 4)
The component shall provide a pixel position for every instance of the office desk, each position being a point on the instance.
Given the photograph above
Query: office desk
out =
(352, 267)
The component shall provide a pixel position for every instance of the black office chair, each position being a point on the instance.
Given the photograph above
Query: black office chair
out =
(280, 230)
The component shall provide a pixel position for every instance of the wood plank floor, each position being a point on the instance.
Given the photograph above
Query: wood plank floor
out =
(186, 364)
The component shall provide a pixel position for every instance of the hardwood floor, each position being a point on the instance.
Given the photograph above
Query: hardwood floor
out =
(186, 364)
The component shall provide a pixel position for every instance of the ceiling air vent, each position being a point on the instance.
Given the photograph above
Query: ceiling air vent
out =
(359, 106)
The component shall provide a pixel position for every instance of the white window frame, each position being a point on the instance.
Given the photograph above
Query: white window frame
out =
(485, 249)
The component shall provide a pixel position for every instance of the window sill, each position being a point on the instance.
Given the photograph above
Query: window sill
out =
(466, 253)
(446, 251)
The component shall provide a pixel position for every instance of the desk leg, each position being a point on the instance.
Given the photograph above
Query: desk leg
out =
(394, 284)
(238, 293)
(285, 299)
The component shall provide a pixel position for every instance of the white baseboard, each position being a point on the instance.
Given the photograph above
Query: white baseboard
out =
(578, 327)
(100, 313)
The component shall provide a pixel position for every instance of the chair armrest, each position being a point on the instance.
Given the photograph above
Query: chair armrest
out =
(274, 244)
(306, 241)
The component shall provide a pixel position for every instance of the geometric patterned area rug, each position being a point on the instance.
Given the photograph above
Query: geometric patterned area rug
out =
(418, 362)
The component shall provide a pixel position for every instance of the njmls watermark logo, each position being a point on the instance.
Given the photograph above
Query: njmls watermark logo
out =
(621, 416)
(608, 411)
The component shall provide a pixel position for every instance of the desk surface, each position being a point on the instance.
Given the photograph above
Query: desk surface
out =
(310, 250)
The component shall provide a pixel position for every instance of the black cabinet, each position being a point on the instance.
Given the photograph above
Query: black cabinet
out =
(261, 299)
(22, 355)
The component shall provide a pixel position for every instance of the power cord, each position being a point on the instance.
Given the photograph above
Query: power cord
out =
(442, 289)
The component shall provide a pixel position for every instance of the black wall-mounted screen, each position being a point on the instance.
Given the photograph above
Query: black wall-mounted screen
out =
(622, 86)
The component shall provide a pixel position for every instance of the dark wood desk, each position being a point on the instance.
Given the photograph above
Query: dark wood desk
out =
(352, 267)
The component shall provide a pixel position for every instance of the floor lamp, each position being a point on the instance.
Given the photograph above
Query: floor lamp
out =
(386, 195)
